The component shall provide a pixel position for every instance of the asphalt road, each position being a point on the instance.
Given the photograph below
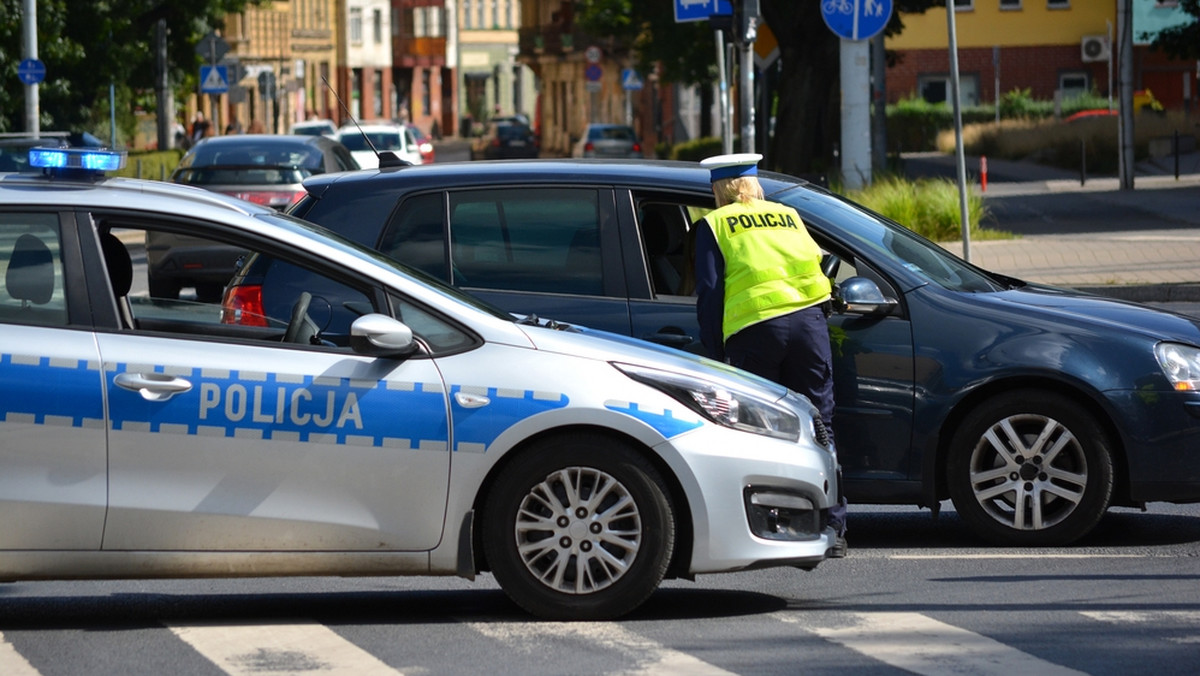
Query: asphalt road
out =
(914, 596)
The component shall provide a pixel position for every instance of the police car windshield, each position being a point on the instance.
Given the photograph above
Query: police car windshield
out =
(353, 248)
(887, 239)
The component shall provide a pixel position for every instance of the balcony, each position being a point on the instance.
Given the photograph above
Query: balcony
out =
(552, 41)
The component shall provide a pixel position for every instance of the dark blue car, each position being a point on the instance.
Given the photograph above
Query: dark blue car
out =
(1033, 408)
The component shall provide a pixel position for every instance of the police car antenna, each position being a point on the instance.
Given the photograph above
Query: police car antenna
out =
(386, 158)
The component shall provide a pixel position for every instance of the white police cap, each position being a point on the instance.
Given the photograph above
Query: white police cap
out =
(731, 166)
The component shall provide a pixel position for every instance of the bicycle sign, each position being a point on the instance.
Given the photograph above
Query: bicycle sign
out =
(856, 19)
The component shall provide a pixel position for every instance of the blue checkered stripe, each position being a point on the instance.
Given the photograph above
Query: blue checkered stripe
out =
(663, 421)
(53, 392)
(271, 406)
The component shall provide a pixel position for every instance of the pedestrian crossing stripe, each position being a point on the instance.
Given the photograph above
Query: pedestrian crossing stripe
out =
(906, 640)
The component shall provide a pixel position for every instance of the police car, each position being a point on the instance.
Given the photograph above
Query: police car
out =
(383, 424)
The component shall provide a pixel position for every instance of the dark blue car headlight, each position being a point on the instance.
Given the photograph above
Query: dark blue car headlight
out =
(1181, 364)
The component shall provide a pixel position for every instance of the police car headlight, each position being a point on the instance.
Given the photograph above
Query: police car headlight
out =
(721, 403)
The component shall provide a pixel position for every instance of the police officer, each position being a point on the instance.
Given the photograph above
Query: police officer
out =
(762, 298)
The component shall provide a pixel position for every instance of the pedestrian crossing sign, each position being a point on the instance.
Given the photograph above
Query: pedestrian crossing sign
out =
(630, 80)
(214, 79)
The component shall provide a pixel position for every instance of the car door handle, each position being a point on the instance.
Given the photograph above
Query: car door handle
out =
(152, 386)
(670, 338)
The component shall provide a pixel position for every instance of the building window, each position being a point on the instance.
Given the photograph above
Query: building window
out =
(465, 19)
(1073, 84)
(479, 14)
(496, 14)
(356, 33)
(964, 5)
(936, 89)
(1058, 4)
(377, 26)
(1010, 4)
(419, 22)
(377, 93)
(434, 22)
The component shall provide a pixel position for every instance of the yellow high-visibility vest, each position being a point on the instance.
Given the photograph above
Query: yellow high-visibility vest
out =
(772, 264)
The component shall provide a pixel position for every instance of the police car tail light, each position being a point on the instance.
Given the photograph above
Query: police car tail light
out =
(722, 404)
(86, 160)
(243, 305)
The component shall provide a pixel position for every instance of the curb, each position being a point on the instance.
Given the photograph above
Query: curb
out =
(1148, 293)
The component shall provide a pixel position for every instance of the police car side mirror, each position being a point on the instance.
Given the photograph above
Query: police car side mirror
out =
(860, 295)
(378, 335)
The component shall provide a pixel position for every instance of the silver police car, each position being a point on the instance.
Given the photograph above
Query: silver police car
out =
(402, 429)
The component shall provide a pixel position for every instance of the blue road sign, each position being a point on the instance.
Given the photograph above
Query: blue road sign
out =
(630, 80)
(856, 19)
(593, 72)
(214, 79)
(700, 10)
(31, 71)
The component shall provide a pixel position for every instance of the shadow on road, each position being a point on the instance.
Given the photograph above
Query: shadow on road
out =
(1119, 529)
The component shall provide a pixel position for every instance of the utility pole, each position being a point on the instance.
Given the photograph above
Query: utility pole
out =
(745, 32)
(32, 110)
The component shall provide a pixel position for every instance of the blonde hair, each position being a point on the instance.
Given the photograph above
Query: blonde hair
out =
(737, 189)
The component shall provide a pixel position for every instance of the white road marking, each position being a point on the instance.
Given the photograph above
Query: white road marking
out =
(1125, 617)
(925, 646)
(268, 648)
(11, 661)
(651, 657)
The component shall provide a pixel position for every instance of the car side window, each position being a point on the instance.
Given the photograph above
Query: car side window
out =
(230, 291)
(537, 240)
(667, 243)
(416, 236)
(31, 263)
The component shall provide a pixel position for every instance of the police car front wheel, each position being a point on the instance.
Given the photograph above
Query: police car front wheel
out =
(579, 528)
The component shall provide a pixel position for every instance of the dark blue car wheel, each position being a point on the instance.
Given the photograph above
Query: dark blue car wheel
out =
(1030, 468)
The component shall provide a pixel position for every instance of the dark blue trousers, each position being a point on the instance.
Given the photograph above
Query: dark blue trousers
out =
(792, 350)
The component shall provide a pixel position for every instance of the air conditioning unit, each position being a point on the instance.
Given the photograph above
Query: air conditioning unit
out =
(1094, 48)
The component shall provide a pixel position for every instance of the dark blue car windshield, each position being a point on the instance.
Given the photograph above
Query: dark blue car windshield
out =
(885, 239)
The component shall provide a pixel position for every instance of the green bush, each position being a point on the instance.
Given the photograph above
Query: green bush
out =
(929, 207)
(698, 149)
(154, 164)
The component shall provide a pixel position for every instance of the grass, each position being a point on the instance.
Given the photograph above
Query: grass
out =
(1064, 144)
(930, 207)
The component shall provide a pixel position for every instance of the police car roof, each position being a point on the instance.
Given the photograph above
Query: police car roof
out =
(39, 189)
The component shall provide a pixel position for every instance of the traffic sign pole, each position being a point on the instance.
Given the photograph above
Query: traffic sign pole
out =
(32, 110)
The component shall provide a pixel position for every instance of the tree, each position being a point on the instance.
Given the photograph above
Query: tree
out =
(808, 120)
(1183, 41)
(87, 46)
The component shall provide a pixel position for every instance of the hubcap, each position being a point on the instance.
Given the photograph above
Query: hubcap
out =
(1029, 472)
(578, 531)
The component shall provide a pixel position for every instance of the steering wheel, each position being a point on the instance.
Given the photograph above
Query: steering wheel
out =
(300, 328)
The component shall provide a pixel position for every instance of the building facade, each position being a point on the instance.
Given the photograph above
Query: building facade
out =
(1053, 48)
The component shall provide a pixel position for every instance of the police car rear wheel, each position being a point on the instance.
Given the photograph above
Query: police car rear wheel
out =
(579, 528)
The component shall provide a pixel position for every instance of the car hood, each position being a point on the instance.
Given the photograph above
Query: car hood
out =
(1080, 307)
(604, 346)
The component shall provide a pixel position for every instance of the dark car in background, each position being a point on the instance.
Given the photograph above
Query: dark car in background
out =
(505, 139)
(261, 168)
(1032, 408)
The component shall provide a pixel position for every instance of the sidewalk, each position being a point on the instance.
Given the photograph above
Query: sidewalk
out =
(1141, 244)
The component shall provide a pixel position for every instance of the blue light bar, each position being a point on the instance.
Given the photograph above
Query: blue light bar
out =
(87, 159)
